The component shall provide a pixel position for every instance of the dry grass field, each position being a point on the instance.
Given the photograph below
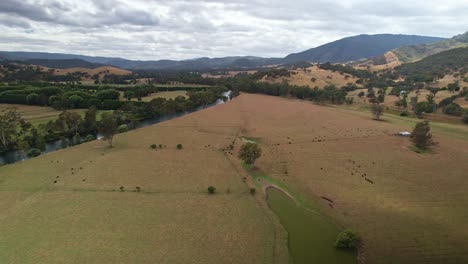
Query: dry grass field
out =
(100, 70)
(303, 77)
(83, 217)
(166, 95)
(36, 114)
(407, 207)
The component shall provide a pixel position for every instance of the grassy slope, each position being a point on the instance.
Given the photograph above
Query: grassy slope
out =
(412, 213)
(81, 219)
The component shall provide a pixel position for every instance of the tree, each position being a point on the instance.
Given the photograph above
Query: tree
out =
(32, 98)
(69, 122)
(361, 94)
(107, 127)
(347, 239)
(89, 123)
(377, 110)
(250, 152)
(421, 136)
(465, 117)
(453, 109)
(211, 190)
(12, 125)
(128, 94)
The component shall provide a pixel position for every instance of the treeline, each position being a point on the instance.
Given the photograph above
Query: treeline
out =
(248, 84)
(71, 128)
(362, 74)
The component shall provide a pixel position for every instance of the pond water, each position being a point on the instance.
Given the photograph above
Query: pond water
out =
(15, 156)
(311, 237)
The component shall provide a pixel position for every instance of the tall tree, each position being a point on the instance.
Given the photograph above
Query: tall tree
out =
(107, 127)
(12, 125)
(421, 136)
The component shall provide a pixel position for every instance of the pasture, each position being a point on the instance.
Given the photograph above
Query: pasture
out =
(37, 114)
(407, 207)
(67, 206)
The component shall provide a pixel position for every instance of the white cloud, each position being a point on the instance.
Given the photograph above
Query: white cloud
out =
(183, 29)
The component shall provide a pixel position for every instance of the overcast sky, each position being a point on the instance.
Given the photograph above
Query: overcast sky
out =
(173, 29)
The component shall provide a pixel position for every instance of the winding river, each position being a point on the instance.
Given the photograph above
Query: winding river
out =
(16, 156)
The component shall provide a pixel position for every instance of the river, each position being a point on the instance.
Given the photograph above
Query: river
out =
(16, 156)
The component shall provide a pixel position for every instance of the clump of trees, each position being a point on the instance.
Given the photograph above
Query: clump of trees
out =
(421, 135)
(347, 239)
(250, 152)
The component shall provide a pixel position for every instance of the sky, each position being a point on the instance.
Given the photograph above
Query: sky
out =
(174, 29)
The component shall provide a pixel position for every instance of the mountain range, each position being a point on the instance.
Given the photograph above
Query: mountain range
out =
(343, 50)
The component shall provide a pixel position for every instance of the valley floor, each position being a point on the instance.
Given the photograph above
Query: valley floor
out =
(407, 207)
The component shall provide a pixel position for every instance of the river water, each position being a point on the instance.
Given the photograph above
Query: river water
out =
(16, 156)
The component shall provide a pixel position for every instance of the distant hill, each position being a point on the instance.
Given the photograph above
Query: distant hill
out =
(358, 47)
(417, 52)
(64, 63)
(347, 49)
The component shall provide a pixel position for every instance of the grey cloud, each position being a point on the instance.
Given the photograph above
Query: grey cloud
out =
(184, 29)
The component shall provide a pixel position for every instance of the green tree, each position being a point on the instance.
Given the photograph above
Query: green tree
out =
(107, 127)
(89, 123)
(250, 152)
(421, 136)
(377, 110)
(453, 109)
(211, 190)
(347, 239)
(32, 98)
(12, 125)
(128, 94)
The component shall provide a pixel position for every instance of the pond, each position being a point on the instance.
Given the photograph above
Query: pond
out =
(311, 237)
(16, 156)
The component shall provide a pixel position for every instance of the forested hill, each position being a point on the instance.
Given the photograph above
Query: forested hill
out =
(437, 65)
(358, 47)
(64, 64)
(416, 52)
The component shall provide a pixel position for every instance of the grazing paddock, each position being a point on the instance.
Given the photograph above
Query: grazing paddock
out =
(67, 206)
(407, 207)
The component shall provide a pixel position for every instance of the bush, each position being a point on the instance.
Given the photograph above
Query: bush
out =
(404, 113)
(465, 117)
(211, 190)
(153, 146)
(347, 239)
(34, 153)
(453, 109)
(122, 128)
(250, 152)
(89, 138)
(179, 146)
(252, 191)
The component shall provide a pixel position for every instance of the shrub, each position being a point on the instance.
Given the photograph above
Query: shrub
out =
(347, 239)
(122, 188)
(34, 153)
(138, 189)
(404, 113)
(252, 191)
(211, 190)
(465, 117)
(361, 94)
(89, 138)
(179, 146)
(153, 146)
(122, 128)
(453, 109)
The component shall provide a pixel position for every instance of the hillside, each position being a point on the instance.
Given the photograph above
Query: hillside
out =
(63, 63)
(437, 65)
(358, 47)
(416, 52)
